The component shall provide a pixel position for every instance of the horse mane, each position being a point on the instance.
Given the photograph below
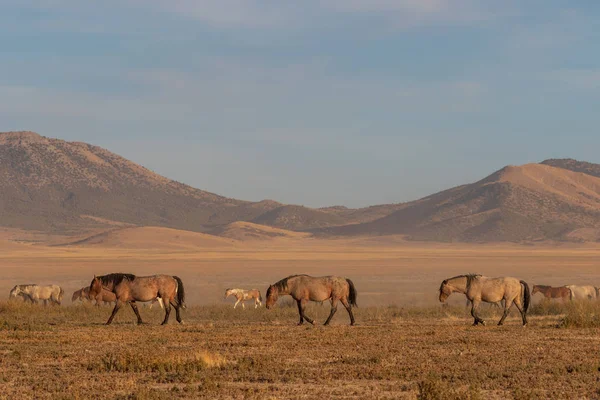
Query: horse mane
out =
(282, 285)
(544, 287)
(470, 278)
(115, 278)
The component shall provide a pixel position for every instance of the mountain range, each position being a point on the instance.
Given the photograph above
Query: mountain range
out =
(69, 188)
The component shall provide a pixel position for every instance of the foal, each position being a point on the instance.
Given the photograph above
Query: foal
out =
(242, 295)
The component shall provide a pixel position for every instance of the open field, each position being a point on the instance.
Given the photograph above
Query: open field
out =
(405, 343)
(222, 353)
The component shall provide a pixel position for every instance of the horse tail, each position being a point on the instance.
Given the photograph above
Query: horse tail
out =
(180, 292)
(259, 296)
(526, 296)
(353, 293)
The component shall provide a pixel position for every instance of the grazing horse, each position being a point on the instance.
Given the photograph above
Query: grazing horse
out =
(129, 288)
(242, 295)
(304, 288)
(583, 292)
(82, 294)
(104, 297)
(35, 293)
(480, 288)
(550, 292)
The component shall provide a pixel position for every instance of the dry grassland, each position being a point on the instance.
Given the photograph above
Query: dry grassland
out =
(405, 345)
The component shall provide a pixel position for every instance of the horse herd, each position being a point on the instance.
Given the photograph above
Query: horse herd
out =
(168, 291)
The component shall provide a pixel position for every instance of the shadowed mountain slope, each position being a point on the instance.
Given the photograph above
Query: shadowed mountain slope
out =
(529, 202)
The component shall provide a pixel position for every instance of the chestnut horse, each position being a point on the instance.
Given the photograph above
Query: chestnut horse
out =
(129, 288)
(304, 288)
(480, 288)
(550, 292)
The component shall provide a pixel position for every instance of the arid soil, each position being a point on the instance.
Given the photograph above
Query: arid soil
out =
(405, 344)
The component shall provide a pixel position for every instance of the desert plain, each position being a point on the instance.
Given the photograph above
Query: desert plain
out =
(405, 344)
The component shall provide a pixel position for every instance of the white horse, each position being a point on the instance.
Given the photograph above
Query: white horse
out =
(242, 295)
(35, 293)
(583, 292)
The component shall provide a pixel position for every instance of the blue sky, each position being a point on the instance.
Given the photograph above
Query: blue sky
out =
(353, 102)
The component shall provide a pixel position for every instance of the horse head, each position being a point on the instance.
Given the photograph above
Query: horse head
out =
(535, 289)
(14, 292)
(228, 292)
(445, 291)
(95, 287)
(272, 296)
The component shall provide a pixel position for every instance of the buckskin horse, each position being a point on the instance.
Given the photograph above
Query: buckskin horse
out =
(304, 288)
(480, 288)
(129, 288)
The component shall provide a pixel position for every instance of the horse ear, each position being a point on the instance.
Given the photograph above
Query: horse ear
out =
(445, 282)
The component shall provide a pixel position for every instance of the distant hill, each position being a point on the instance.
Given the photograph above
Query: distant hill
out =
(523, 203)
(245, 231)
(83, 191)
(51, 185)
(574, 165)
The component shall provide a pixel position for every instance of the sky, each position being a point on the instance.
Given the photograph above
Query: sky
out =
(319, 103)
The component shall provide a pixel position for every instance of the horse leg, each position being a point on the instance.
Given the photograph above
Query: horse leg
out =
(243, 306)
(300, 311)
(474, 307)
(177, 314)
(303, 317)
(507, 305)
(332, 312)
(236, 303)
(348, 308)
(137, 312)
(167, 305)
(519, 306)
(118, 305)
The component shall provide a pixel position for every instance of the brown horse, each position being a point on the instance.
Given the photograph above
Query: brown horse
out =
(550, 292)
(129, 288)
(479, 288)
(304, 288)
(104, 297)
(242, 295)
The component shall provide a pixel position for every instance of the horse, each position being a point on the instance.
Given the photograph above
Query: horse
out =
(583, 292)
(550, 292)
(480, 288)
(81, 294)
(242, 295)
(35, 293)
(129, 288)
(304, 288)
(105, 297)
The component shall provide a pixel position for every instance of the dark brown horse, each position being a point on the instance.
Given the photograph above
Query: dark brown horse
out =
(550, 292)
(304, 288)
(129, 288)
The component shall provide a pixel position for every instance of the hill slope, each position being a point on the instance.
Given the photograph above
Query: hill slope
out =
(530, 202)
(63, 187)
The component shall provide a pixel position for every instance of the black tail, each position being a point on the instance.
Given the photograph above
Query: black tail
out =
(526, 296)
(180, 292)
(353, 293)
(259, 296)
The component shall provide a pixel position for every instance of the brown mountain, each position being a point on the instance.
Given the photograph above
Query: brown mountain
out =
(66, 187)
(529, 202)
(574, 165)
